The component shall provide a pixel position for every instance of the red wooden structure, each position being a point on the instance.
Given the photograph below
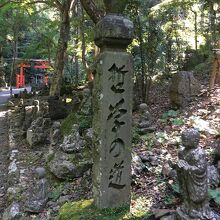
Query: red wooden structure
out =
(39, 64)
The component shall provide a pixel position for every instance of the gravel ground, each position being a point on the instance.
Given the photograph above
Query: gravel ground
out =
(3, 157)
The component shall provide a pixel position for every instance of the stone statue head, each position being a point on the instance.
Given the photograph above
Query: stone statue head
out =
(41, 172)
(36, 102)
(143, 107)
(190, 138)
(86, 92)
(115, 6)
(21, 102)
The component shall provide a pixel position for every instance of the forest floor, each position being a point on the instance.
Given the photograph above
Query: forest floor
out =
(3, 156)
(155, 191)
(157, 186)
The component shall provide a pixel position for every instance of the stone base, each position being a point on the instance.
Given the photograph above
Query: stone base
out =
(200, 216)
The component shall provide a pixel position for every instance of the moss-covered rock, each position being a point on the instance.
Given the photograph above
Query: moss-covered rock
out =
(86, 210)
(69, 166)
(83, 121)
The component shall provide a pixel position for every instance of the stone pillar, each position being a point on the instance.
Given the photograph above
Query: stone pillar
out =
(112, 110)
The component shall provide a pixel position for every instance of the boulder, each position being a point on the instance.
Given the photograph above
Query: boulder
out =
(10, 104)
(68, 166)
(39, 194)
(216, 154)
(38, 133)
(169, 217)
(213, 176)
(183, 88)
(137, 166)
(12, 212)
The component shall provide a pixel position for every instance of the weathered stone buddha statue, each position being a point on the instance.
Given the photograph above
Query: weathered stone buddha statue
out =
(192, 176)
(86, 105)
(38, 199)
(145, 116)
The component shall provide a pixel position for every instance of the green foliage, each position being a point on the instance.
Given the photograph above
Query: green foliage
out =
(149, 140)
(54, 196)
(136, 137)
(170, 199)
(162, 137)
(169, 114)
(177, 121)
(56, 193)
(215, 195)
(82, 120)
(172, 116)
(176, 188)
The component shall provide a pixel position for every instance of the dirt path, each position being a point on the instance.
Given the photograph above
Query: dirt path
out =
(3, 157)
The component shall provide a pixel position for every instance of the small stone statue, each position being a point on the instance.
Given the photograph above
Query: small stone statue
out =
(20, 110)
(144, 120)
(38, 201)
(43, 109)
(86, 105)
(193, 180)
(144, 123)
(35, 109)
(73, 143)
(55, 133)
(21, 103)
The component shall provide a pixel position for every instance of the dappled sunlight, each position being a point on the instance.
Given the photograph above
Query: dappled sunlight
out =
(141, 206)
(3, 114)
(86, 209)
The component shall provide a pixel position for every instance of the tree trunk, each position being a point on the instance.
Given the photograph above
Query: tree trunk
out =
(143, 76)
(92, 10)
(88, 70)
(15, 56)
(2, 74)
(61, 49)
(196, 31)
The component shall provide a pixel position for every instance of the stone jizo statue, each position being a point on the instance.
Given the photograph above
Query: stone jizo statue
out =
(145, 116)
(39, 197)
(86, 105)
(193, 180)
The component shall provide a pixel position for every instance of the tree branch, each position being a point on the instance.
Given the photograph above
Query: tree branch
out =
(94, 13)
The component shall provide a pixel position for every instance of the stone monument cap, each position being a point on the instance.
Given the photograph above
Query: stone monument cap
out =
(190, 138)
(114, 31)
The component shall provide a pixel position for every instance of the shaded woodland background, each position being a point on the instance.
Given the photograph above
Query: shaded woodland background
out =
(170, 35)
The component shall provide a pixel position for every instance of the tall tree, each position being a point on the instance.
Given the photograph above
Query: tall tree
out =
(64, 9)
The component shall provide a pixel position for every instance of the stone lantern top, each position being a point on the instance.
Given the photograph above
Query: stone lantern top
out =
(114, 31)
(115, 6)
(216, 53)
